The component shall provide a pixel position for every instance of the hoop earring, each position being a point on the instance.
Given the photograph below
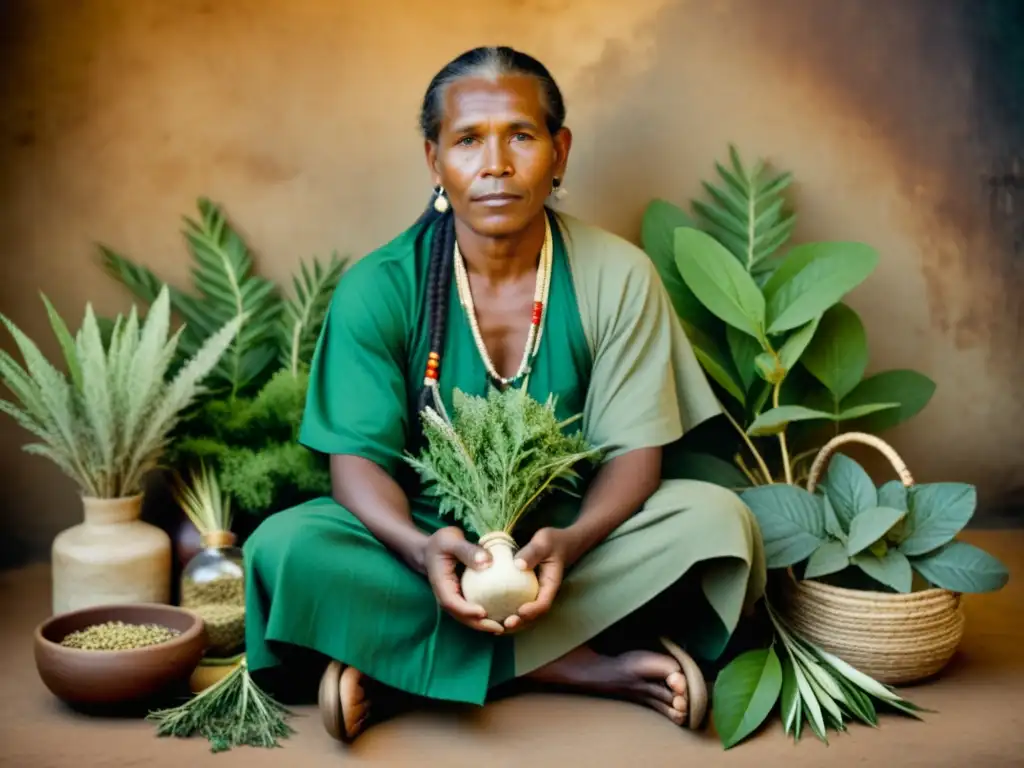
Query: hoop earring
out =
(440, 202)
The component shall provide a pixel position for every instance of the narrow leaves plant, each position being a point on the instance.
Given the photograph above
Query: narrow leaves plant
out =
(106, 422)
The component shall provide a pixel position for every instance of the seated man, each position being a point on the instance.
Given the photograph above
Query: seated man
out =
(367, 579)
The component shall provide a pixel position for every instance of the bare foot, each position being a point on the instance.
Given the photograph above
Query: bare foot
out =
(653, 679)
(345, 701)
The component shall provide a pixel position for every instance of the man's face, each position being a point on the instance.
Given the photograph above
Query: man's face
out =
(494, 155)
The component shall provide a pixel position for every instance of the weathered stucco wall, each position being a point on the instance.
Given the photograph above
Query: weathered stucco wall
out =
(300, 118)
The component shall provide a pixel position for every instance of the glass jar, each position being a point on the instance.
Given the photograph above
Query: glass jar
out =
(213, 586)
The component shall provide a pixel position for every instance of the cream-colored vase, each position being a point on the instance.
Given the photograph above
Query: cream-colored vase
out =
(110, 557)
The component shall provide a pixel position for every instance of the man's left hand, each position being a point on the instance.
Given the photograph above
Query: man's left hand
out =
(549, 551)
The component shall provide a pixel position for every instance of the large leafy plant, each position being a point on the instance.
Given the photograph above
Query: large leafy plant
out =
(853, 534)
(106, 421)
(278, 332)
(246, 426)
(769, 326)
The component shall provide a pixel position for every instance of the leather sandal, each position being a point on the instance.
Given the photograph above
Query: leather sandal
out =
(696, 687)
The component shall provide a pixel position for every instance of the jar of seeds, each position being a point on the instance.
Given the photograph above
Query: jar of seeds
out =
(213, 586)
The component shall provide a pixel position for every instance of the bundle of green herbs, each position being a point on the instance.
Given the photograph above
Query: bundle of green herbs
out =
(246, 426)
(489, 465)
(232, 712)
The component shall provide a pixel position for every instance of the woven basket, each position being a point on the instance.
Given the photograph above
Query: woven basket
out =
(894, 638)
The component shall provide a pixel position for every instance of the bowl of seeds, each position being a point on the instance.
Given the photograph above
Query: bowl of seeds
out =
(114, 654)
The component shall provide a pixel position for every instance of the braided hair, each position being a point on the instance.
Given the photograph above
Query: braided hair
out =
(491, 62)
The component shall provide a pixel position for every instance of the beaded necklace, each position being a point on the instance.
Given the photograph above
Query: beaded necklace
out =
(540, 300)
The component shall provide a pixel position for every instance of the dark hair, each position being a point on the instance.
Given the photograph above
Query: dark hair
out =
(493, 61)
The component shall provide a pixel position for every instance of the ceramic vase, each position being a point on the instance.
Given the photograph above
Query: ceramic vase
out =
(110, 557)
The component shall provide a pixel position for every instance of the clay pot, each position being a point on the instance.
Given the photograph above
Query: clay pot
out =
(111, 557)
(81, 677)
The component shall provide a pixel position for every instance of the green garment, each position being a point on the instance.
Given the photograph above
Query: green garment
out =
(612, 349)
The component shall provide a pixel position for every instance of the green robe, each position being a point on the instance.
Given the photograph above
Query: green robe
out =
(613, 350)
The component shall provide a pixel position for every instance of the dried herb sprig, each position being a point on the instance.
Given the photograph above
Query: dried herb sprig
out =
(497, 457)
(232, 712)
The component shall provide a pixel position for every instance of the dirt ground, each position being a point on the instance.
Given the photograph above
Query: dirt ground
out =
(979, 719)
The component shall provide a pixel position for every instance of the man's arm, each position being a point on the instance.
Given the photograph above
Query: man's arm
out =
(369, 493)
(620, 488)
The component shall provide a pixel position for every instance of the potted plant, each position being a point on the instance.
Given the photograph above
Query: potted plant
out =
(105, 424)
(245, 426)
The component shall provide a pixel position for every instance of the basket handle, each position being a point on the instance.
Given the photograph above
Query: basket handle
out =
(821, 460)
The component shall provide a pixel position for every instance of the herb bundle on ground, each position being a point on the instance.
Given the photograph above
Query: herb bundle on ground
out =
(232, 712)
(489, 465)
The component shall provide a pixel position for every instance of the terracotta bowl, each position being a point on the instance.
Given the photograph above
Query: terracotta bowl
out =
(83, 677)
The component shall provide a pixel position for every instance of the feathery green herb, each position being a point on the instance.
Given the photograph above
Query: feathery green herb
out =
(232, 712)
(499, 455)
(106, 422)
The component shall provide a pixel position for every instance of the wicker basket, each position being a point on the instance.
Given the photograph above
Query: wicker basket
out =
(895, 638)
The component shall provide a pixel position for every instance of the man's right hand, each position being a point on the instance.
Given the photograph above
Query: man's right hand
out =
(445, 549)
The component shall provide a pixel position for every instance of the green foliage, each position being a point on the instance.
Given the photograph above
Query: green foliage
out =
(811, 686)
(886, 533)
(232, 712)
(106, 423)
(277, 332)
(252, 442)
(496, 457)
(768, 324)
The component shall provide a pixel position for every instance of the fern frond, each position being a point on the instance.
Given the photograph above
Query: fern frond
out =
(304, 314)
(222, 274)
(747, 213)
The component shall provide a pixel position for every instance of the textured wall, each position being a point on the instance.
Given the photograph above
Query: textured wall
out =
(300, 118)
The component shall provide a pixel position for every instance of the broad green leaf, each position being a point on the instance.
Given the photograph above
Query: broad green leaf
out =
(790, 522)
(744, 350)
(893, 570)
(795, 346)
(776, 420)
(829, 273)
(745, 693)
(849, 488)
(718, 281)
(962, 567)
(938, 512)
(829, 557)
(833, 526)
(715, 361)
(910, 389)
(790, 702)
(704, 466)
(893, 494)
(657, 236)
(869, 526)
(838, 354)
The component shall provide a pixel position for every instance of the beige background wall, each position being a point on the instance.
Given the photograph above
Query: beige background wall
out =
(300, 118)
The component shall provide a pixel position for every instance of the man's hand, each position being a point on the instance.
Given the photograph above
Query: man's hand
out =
(550, 551)
(445, 549)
